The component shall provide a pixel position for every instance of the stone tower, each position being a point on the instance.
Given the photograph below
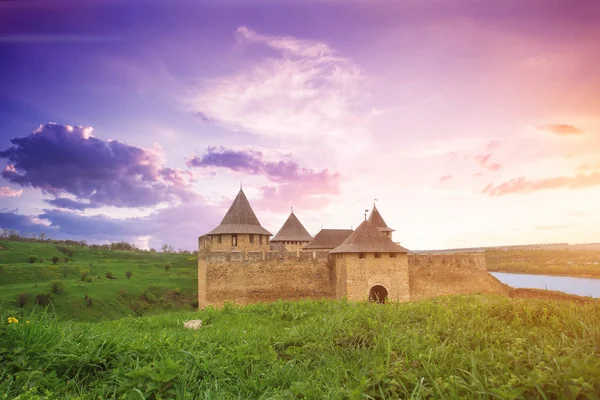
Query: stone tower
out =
(239, 230)
(377, 220)
(292, 235)
(368, 265)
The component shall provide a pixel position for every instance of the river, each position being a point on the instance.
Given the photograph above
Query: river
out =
(566, 284)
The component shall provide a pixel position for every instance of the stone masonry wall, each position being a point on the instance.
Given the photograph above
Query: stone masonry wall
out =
(262, 276)
(243, 243)
(432, 275)
(359, 275)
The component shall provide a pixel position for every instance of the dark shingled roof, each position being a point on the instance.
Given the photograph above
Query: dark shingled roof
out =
(368, 239)
(240, 219)
(377, 220)
(293, 231)
(328, 239)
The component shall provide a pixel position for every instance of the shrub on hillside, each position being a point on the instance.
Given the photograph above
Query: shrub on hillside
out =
(57, 287)
(66, 259)
(65, 271)
(167, 266)
(42, 299)
(83, 275)
(109, 275)
(55, 259)
(128, 274)
(88, 301)
(91, 265)
(22, 299)
(89, 280)
(32, 259)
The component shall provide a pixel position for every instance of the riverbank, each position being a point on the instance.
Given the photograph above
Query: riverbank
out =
(573, 263)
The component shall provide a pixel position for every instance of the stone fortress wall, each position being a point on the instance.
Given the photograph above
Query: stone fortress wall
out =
(250, 277)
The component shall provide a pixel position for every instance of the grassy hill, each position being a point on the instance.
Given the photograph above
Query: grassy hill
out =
(93, 296)
(455, 347)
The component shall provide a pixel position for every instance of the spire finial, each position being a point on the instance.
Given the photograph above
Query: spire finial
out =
(240, 183)
(292, 208)
(374, 201)
(366, 211)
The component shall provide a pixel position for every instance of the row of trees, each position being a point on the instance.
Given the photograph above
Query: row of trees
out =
(9, 234)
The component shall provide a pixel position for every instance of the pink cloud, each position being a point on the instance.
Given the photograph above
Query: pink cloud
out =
(445, 178)
(561, 129)
(5, 191)
(522, 185)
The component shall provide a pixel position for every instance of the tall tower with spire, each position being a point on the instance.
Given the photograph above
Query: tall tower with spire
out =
(377, 221)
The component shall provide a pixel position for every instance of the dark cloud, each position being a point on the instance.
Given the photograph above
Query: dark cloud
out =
(23, 223)
(61, 159)
(561, 129)
(523, 185)
(63, 202)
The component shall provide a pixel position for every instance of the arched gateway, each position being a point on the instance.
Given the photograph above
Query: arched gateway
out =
(378, 294)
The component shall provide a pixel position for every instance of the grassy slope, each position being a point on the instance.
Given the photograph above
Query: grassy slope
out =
(110, 298)
(562, 262)
(464, 346)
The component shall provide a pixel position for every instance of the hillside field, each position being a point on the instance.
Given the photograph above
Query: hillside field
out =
(150, 288)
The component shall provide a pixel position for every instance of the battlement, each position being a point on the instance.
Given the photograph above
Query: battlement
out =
(268, 257)
(457, 259)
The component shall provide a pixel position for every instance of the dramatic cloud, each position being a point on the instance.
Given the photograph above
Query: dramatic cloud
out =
(305, 186)
(5, 191)
(561, 129)
(24, 223)
(64, 159)
(523, 186)
(309, 92)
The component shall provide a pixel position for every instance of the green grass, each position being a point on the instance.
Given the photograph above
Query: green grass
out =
(474, 347)
(150, 289)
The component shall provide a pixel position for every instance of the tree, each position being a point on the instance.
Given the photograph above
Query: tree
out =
(167, 266)
(128, 274)
(32, 259)
(165, 247)
(43, 236)
(55, 259)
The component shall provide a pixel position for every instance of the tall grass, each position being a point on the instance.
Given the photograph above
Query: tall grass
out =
(481, 347)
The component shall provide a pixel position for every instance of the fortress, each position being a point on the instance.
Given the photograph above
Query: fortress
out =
(238, 262)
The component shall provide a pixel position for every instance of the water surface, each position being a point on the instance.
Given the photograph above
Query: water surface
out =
(566, 284)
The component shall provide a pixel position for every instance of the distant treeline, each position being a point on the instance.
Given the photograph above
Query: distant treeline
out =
(9, 234)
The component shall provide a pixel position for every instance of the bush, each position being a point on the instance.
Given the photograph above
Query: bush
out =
(91, 265)
(88, 301)
(167, 266)
(128, 274)
(55, 259)
(32, 259)
(89, 280)
(83, 275)
(57, 287)
(109, 275)
(22, 299)
(42, 299)
(66, 259)
(65, 271)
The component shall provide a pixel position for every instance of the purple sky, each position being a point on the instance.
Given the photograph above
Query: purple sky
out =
(472, 122)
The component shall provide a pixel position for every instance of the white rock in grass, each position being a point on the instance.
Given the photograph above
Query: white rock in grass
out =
(193, 324)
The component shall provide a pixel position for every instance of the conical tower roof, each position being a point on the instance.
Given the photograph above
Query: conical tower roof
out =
(377, 220)
(240, 219)
(292, 231)
(368, 239)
